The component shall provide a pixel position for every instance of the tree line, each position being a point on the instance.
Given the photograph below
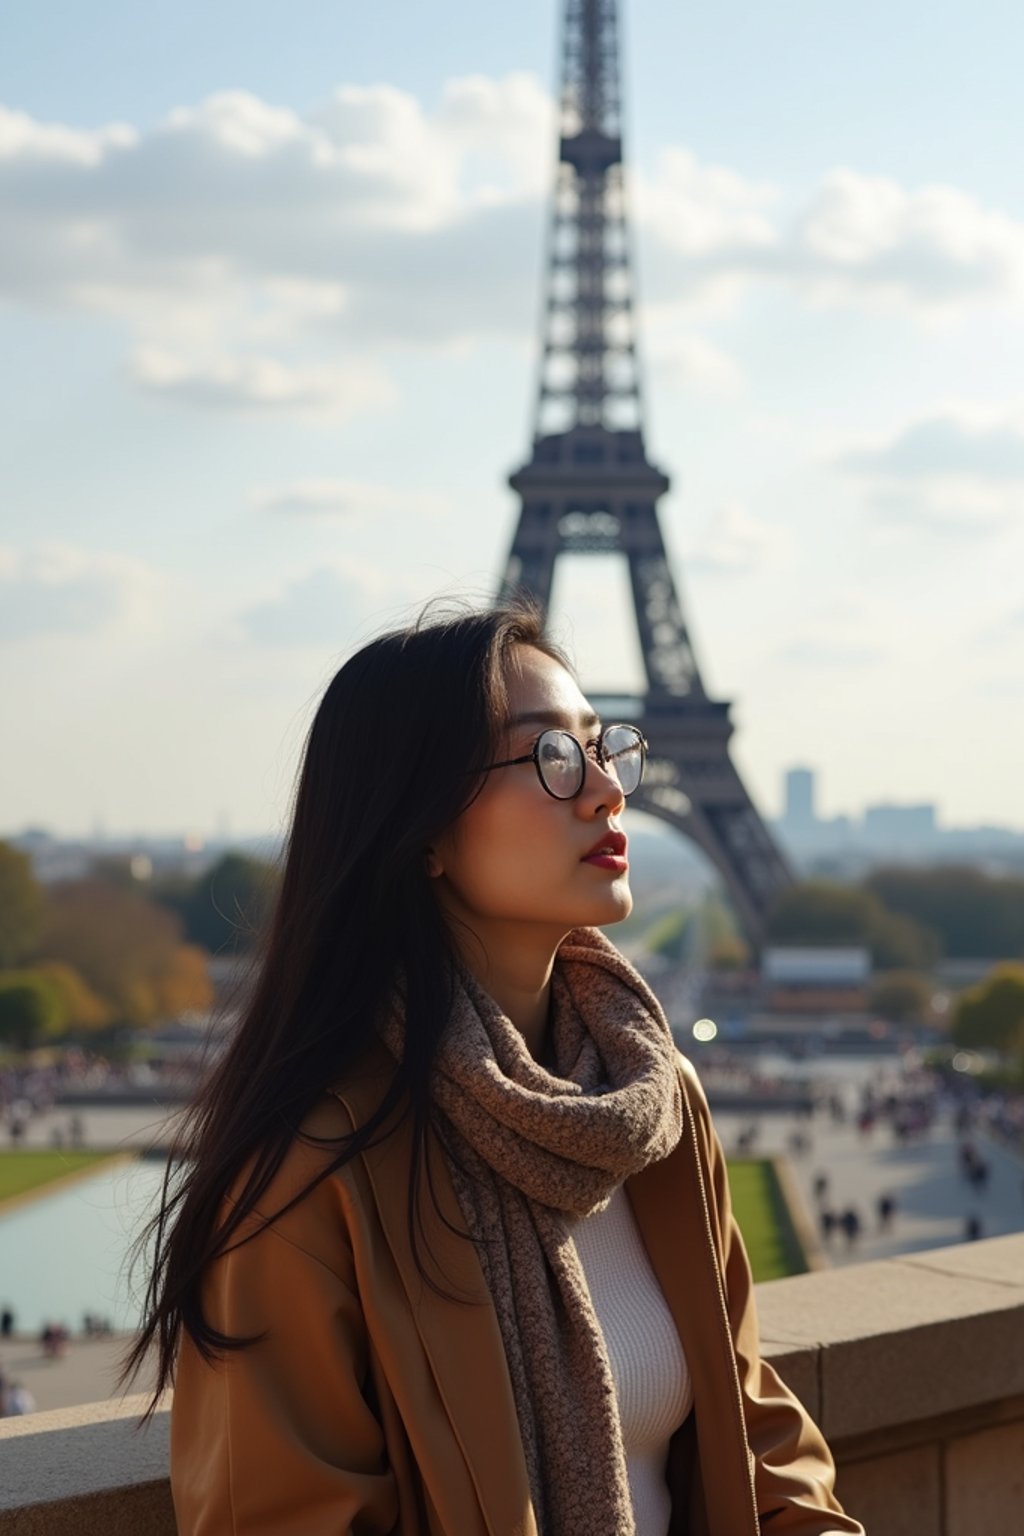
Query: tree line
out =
(85, 957)
(81, 957)
(909, 916)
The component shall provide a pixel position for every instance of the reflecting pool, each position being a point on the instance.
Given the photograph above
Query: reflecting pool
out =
(65, 1254)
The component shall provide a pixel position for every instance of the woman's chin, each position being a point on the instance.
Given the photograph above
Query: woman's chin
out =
(618, 905)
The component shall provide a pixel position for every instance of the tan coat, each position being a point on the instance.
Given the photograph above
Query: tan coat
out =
(372, 1404)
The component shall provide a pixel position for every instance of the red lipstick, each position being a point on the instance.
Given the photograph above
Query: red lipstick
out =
(609, 852)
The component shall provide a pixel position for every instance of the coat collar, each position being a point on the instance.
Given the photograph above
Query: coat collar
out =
(673, 1206)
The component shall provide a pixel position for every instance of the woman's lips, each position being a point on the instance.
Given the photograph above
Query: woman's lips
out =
(610, 853)
(616, 861)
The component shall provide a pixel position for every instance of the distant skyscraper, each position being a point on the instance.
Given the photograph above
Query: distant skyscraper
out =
(800, 797)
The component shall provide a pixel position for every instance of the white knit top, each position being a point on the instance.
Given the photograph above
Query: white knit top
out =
(649, 1369)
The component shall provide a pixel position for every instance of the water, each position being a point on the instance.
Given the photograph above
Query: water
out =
(65, 1254)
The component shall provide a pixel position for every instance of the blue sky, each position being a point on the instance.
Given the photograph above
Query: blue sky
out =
(268, 294)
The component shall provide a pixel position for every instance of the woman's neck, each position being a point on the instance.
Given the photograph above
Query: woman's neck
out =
(528, 1009)
(519, 980)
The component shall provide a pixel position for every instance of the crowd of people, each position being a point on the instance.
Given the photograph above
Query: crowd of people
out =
(29, 1092)
(900, 1108)
(849, 1221)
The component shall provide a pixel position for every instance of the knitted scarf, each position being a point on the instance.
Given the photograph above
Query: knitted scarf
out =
(531, 1150)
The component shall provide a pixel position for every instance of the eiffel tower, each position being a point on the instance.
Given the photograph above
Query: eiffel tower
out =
(589, 487)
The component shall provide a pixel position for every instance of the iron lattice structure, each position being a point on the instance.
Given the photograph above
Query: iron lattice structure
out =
(589, 487)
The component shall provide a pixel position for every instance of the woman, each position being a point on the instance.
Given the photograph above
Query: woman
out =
(453, 1253)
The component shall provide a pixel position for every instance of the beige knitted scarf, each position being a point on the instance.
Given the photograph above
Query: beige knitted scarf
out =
(532, 1149)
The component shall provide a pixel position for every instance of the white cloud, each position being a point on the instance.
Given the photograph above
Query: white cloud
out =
(980, 442)
(859, 240)
(24, 140)
(236, 188)
(263, 383)
(58, 589)
(958, 469)
(237, 229)
(247, 225)
(734, 543)
(324, 606)
(505, 129)
(681, 358)
(348, 499)
(936, 507)
(935, 247)
(702, 211)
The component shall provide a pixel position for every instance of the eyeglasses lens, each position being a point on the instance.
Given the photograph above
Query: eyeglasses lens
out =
(624, 755)
(560, 759)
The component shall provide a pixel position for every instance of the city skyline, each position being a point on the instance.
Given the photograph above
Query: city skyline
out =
(219, 829)
(236, 276)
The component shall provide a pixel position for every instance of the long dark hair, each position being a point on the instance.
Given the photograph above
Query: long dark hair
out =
(394, 754)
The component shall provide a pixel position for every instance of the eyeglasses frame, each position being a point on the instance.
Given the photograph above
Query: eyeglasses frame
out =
(601, 757)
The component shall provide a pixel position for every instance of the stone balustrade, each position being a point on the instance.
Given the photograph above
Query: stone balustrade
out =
(914, 1367)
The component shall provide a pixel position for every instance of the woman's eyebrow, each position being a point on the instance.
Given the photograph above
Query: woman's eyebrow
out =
(556, 717)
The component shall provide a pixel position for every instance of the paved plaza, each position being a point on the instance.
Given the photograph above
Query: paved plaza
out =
(85, 1373)
(932, 1198)
(107, 1127)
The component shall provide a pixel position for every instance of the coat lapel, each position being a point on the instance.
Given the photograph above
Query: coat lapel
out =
(669, 1201)
(461, 1338)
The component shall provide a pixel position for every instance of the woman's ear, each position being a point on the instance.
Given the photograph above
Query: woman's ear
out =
(433, 864)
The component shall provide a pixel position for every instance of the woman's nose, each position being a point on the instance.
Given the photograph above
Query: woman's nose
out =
(602, 786)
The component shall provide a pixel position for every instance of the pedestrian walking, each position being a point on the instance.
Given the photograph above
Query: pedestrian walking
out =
(851, 1224)
(886, 1208)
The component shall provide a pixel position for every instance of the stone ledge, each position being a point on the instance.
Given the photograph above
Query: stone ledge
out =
(890, 1358)
(901, 1339)
(944, 1428)
(92, 1468)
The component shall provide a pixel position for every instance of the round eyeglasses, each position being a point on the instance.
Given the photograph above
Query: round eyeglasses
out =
(561, 761)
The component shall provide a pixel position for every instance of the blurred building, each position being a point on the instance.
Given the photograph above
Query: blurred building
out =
(846, 846)
(895, 827)
(803, 980)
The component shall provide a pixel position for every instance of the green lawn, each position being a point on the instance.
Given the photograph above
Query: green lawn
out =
(20, 1171)
(764, 1220)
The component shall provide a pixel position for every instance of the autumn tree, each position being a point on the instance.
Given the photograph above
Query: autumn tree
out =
(21, 907)
(990, 1016)
(80, 1007)
(126, 948)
